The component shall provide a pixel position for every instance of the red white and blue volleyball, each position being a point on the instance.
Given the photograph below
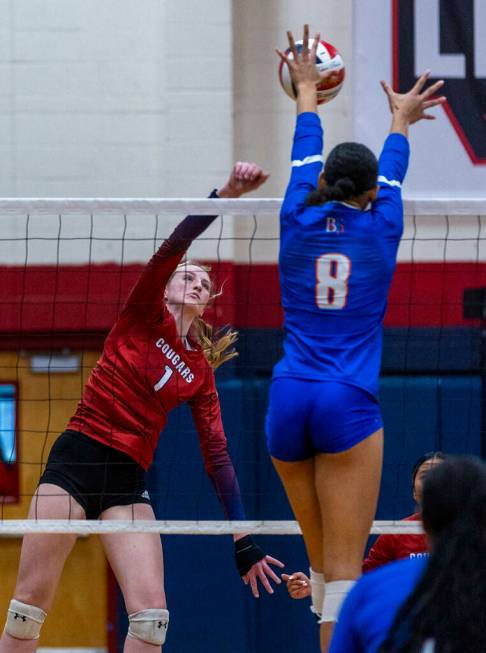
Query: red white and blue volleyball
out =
(327, 58)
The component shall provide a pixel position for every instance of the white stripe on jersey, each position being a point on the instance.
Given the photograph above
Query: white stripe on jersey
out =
(315, 158)
(390, 182)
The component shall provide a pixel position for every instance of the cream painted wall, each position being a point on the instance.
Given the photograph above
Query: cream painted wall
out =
(114, 98)
(154, 98)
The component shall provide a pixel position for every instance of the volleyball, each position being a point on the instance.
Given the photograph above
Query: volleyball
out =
(327, 58)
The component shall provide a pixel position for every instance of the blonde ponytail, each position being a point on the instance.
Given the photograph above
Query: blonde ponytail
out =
(216, 345)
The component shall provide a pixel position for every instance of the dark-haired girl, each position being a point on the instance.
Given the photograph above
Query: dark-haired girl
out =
(434, 605)
(340, 232)
(396, 546)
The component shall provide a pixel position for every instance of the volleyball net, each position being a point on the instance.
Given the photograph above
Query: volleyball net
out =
(67, 266)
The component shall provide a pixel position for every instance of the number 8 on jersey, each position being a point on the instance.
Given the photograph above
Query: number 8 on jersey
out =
(332, 274)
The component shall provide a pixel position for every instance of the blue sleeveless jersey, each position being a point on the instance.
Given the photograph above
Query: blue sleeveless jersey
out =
(336, 266)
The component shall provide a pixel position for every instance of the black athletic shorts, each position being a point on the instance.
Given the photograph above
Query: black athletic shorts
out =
(97, 476)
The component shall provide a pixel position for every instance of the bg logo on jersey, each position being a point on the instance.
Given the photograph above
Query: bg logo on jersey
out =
(449, 38)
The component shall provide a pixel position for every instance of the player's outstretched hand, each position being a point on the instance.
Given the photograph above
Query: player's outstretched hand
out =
(253, 565)
(302, 65)
(261, 571)
(413, 105)
(298, 585)
(244, 178)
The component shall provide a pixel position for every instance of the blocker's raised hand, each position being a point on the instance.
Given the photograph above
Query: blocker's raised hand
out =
(414, 104)
(302, 65)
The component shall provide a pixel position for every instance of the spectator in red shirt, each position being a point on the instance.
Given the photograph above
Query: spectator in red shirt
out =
(389, 547)
(395, 546)
(158, 355)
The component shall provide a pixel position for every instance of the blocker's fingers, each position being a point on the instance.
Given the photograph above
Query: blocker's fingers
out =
(315, 43)
(432, 89)
(305, 43)
(435, 102)
(292, 46)
(274, 561)
(420, 83)
(387, 88)
(282, 56)
(389, 92)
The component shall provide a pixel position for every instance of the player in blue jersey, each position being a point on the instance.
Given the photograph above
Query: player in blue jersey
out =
(434, 605)
(340, 231)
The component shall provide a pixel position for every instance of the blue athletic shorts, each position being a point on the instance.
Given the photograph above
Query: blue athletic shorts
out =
(307, 417)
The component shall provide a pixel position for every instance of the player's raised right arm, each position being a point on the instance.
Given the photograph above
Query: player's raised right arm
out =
(406, 109)
(146, 296)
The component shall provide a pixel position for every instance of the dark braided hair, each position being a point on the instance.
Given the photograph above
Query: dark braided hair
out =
(448, 604)
(350, 170)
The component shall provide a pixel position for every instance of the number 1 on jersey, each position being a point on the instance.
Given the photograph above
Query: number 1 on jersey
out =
(332, 274)
(164, 378)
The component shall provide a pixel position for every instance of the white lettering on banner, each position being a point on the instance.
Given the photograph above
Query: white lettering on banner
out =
(178, 365)
(427, 44)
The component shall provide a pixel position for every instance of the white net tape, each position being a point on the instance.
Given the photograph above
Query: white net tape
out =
(17, 527)
(416, 207)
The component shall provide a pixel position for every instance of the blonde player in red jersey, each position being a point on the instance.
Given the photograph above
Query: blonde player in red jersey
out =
(158, 355)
